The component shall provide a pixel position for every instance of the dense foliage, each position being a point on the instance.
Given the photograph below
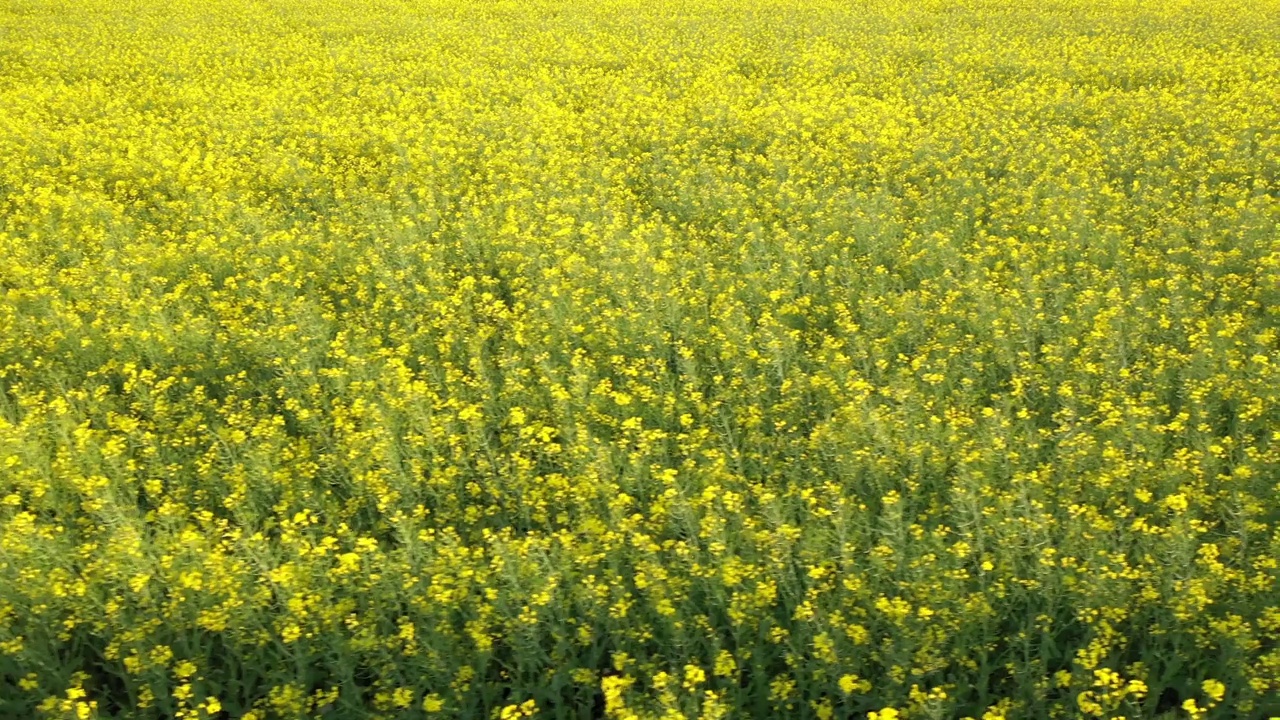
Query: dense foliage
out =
(639, 359)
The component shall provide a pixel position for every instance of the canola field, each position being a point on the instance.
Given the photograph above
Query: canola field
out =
(639, 359)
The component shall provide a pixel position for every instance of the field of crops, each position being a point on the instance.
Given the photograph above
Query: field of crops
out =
(639, 359)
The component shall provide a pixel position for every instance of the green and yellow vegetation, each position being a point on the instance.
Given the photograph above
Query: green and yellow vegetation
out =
(639, 359)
